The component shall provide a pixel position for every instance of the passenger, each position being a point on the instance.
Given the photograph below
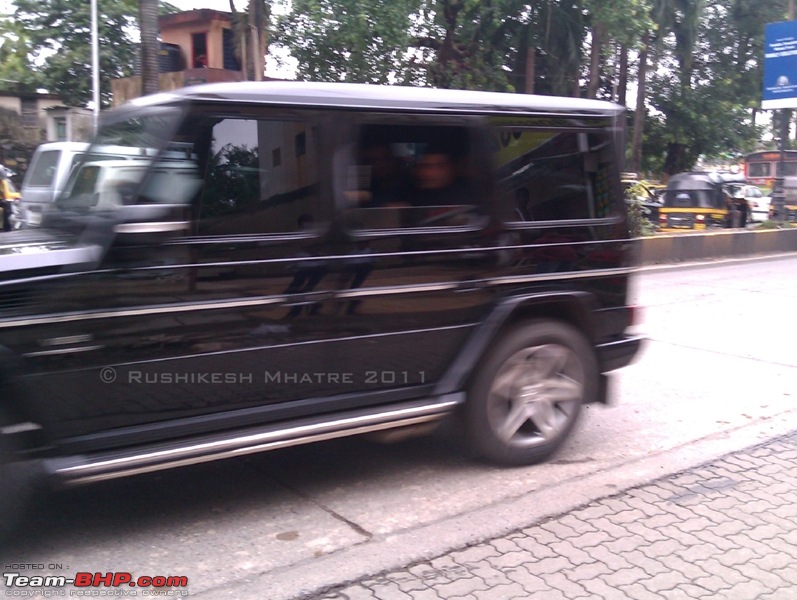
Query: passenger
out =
(437, 181)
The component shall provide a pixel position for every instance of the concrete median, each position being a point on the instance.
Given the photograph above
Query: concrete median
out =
(687, 246)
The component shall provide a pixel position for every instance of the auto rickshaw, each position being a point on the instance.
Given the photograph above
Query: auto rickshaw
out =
(696, 201)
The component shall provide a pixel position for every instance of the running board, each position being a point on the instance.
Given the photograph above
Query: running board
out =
(89, 468)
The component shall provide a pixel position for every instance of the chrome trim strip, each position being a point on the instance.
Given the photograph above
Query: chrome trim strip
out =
(19, 428)
(157, 227)
(29, 258)
(165, 456)
(282, 299)
(174, 308)
(62, 351)
(563, 275)
(383, 291)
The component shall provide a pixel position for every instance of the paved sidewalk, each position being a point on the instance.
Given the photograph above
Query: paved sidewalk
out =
(726, 530)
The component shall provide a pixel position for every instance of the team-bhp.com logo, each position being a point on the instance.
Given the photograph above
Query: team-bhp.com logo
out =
(155, 585)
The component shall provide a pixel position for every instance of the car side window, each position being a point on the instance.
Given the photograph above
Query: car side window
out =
(412, 176)
(548, 175)
(260, 176)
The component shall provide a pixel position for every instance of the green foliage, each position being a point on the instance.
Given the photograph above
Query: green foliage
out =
(361, 41)
(15, 64)
(638, 223)
(232, 182)
(59, 36)
(710, 81)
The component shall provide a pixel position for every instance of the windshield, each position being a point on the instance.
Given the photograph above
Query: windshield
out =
(691, 199)
(43, 171)
(121, 153)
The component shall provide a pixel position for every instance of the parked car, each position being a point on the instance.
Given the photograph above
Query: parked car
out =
(247, 287)
(50, 168)
(757, 201)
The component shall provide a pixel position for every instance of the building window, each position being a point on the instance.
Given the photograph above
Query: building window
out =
(301, 144)
(60, 129)
(29, 113)
(199, 43)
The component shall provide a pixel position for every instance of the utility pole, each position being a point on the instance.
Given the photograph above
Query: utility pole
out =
(779, 187)
(95, 63)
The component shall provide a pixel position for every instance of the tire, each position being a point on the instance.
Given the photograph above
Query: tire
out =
(527, 394)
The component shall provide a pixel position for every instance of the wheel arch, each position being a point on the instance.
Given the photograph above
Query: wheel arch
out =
(576, 308)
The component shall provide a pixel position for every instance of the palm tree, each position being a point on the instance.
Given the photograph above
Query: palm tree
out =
(148, 25)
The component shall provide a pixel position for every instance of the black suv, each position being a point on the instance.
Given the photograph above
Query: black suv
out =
(268, 264)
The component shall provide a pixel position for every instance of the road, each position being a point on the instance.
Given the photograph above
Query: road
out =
(718, 374)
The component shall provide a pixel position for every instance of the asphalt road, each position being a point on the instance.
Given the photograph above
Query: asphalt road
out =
(719, 373)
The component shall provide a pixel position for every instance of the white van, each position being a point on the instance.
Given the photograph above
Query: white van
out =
(47, 176)
(107, 185)
(49, 172)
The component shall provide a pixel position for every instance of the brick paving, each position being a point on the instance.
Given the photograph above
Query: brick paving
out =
(724, 531)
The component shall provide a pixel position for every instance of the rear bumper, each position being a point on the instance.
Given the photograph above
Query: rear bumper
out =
(618, 353)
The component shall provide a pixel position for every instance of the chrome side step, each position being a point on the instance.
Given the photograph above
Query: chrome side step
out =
(75, 470)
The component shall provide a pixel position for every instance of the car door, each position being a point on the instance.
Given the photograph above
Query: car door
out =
(203, 320)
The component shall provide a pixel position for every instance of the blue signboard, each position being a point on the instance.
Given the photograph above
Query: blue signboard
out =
(780, 66)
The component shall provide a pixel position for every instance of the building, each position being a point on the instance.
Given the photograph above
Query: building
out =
(33, 110)
(197, 46)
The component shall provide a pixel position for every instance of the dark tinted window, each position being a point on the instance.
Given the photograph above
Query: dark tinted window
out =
(43, 172)
(553, 176)
(256, 178)
(409, 176)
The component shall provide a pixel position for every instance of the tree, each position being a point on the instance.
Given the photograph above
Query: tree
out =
(622, 20)
(148, 26)
(362, 41)
(712, 81)
(15, 64)
(59, 34)
(251, 37)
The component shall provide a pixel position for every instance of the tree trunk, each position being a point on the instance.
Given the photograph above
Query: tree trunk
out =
(639, 115)
(148, 25)
(677, 160)
(622, 76)
(598, 39)
(531, 60)
(257, 27)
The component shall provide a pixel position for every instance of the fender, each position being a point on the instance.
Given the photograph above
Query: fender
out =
(576, 307)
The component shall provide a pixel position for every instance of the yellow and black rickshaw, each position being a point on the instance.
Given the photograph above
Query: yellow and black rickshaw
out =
(695, 201)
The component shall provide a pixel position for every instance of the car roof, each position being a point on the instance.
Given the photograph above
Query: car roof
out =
(703, 180)
(364, 96)
(78, 146)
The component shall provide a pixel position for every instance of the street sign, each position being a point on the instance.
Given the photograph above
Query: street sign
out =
(780, 66)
